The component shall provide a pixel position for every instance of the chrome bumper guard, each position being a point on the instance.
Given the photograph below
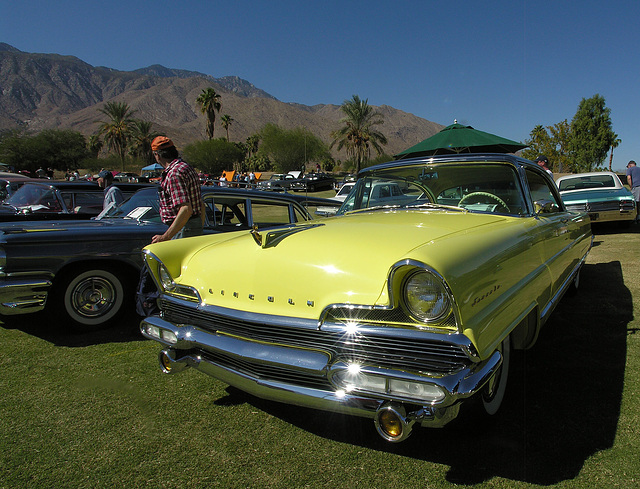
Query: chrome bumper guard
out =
(23, 296)
(189, 346)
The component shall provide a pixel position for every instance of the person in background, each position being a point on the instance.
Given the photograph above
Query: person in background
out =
(543, 162)
(112, 195)
(633, 179)
(181, 205)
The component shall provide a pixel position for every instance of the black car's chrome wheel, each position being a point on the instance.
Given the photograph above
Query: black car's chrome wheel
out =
(92, 297)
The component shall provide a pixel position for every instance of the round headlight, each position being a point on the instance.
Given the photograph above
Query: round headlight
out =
(425, 296)
(165, 278)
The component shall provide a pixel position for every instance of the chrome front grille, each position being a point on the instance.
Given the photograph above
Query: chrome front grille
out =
(370, 346)
(267, 372)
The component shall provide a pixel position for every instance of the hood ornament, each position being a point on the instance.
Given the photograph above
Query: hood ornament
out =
(272, 238)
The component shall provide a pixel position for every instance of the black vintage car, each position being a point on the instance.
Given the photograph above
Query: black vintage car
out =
(45, 199)
(313, 182)
(279, 182)
(86, 271)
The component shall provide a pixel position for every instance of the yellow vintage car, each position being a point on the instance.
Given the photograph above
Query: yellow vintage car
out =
(400, 308)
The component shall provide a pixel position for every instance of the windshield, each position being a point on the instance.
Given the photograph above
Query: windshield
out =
(475, 187)
(39, 196)
(587, 182)
(144, 205)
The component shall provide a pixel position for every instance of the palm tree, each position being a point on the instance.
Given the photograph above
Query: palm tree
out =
(226, 121)
(209, 102)
(142, 135)
(95, 145)
(616, 142)
(359, 134)
(253, 142)
(117, 130)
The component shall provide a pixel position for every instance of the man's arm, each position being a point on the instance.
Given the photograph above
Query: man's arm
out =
(629, 180)
(184, 214)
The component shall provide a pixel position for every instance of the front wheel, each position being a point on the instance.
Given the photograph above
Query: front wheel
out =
(575, 284)
(493, 393)
(91, 297)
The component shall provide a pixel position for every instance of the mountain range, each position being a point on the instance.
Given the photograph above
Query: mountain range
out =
(44, 91)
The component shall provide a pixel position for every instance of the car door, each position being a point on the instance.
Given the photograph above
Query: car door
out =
(554, 227)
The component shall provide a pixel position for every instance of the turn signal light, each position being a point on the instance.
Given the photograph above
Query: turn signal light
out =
(390, 423)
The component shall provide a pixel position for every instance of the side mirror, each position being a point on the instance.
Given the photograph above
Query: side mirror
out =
(545, 207)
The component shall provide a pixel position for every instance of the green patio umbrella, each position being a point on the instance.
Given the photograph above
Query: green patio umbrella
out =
(457, 138)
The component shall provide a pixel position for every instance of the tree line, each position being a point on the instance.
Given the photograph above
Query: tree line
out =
(579, 146)
(122, 139)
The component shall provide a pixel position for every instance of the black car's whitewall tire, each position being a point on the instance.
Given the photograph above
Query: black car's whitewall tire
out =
(92, 297)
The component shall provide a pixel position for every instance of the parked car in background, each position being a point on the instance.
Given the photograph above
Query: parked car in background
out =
(349, 178)
(278, 182)
(343, 191)
(40, 200)
(385, 192)
(600, 194)
(150, 176)
(126, 177)
(313, 182)
(85, 271)
(412, 315)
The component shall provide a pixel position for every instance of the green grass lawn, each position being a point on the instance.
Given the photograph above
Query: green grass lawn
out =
(94, 410)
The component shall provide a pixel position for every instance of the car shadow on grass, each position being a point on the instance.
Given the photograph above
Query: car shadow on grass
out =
(602, 228)
(562, 404)
(56, 332)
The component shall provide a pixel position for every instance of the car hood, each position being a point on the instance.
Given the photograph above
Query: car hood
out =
(345, 259)
(106, 229)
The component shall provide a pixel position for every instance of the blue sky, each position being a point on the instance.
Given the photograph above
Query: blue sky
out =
(500, 66)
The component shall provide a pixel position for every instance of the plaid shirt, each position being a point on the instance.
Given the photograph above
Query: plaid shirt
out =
(180, 185)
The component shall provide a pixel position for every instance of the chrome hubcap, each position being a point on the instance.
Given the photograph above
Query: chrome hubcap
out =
(93, 297)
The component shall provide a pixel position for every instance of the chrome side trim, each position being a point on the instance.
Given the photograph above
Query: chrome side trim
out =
(551, 305)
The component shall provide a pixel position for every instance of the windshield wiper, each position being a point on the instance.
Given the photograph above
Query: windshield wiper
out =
(13, 207)
(433, 205)
(376, 208)
(429, 205)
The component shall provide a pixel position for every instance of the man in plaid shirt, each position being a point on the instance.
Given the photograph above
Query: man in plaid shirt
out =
(181, 206)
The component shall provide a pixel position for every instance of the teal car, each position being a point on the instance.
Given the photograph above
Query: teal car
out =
(401, 308)
(600, 194)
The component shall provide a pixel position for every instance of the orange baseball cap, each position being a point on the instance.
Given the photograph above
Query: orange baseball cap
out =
(161, 142)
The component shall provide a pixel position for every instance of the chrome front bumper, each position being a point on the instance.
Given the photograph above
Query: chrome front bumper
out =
(224, 357)
(23, 296)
